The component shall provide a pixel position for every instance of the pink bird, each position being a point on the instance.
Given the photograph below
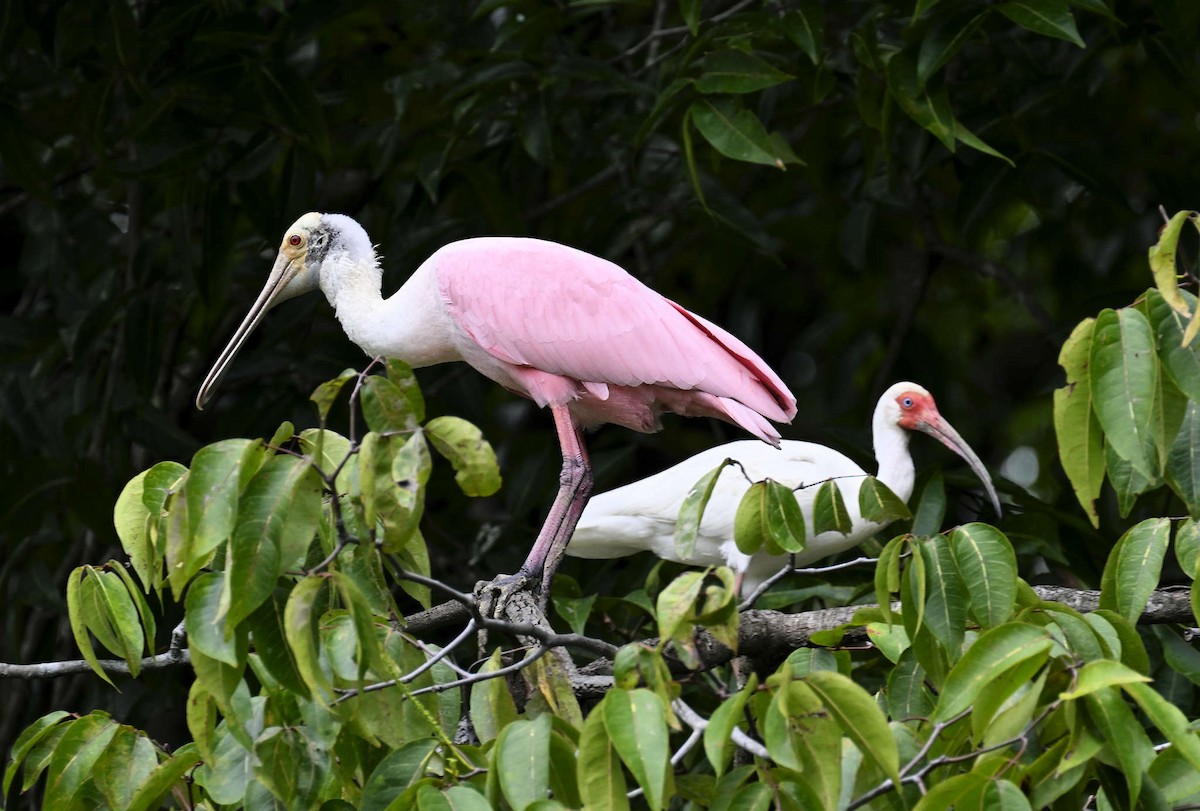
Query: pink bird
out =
(562, 327)
(641, 516)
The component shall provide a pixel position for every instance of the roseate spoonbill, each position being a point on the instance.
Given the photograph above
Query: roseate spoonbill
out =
(562, 327)
(641, 515)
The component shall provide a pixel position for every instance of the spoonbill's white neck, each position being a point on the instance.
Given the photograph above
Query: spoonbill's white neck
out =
(403, 326)
(896, 468)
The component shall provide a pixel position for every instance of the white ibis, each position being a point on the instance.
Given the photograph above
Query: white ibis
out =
(642, 515)
(562, 327)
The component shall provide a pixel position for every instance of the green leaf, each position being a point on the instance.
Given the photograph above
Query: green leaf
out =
(27, 740)
(966, 136)
(385, 406)
(522, 759)
(1162, 261)
(132, 522)
(492, 706)
(994, 652)
(329, 451)
(905, 693)
(474, 461)
(945, 40)
(988, 566)
(637, 727)
(206, 632)
(127, 762)
(1124, 735)
(212, 487)
(601, 779)
(878, 504)
(859, 717)
(1167, 717)
(691, 11)
(805, 30)
(1183, 461)
(463, 798)
(736, 71)
(201, 716)
(161, 481)
(1133, 568)
(1181, 361)
(887, 576)
(674, 608)
(78, 611)
(947, 602)
(75, 756)
(1187, 547)
(1133, 650)
(691, 511)
(801, 735)
(402, 375)
(145, 615)
(784, 522)
(163, 778)
(749, 524)
(929, 108)
(737, 133)
(829, 510)
(258, 554)
(1051, 18)
(769, 517)
(123, 618)
(300, 629)
(1124, 384)
(1126, 482)
(400, 769)
(326, 394)
(718, 735)
(293, 767)
(401, 470)
(1080, 443)
(1101, 675)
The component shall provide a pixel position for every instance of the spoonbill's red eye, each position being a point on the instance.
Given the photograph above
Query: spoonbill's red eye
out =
(294, 240)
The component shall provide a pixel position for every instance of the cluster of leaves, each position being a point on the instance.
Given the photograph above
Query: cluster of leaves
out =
(309, 693)
(1131, 407)
(769, 516)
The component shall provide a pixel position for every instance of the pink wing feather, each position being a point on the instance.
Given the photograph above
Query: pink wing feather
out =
(537, 304)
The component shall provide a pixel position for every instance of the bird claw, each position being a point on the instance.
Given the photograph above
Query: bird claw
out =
(494, 595)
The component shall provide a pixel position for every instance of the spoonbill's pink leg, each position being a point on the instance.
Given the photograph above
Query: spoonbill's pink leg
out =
(574, 488)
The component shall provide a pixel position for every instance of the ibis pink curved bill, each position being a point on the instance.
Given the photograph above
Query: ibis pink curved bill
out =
(566, 329)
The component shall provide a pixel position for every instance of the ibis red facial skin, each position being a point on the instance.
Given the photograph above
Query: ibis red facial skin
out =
(571, 331)
(641, 516)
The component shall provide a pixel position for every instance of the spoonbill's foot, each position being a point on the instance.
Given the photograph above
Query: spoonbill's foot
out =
(494, 595)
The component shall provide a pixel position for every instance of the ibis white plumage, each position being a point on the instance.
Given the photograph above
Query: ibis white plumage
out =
(567, 329)
(641, 516)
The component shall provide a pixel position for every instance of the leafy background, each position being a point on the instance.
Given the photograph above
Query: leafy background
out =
(153, 153)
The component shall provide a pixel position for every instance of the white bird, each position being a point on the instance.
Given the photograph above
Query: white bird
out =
(641, 516)
(562, 327)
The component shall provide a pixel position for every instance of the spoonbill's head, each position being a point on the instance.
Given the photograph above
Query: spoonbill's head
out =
(911, 407)
(306, 246)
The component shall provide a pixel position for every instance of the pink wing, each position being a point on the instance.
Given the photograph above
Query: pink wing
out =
(543, 305)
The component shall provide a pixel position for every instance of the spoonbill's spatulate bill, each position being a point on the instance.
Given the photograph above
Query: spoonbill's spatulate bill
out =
(562, 327)
(641, 516)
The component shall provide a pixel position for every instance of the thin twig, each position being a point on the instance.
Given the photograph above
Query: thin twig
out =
(696, 721)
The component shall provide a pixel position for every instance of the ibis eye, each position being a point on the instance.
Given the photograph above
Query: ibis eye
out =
(294, 240)
(907, 402)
